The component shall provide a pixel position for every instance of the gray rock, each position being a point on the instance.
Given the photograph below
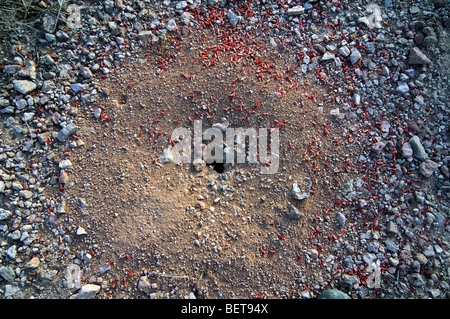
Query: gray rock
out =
(402, 88)
(348, 281)
(355, 56)
(11, 68)
(81, 231)
(369, 258)
(428, 167)
(327, 56)
(292, 212)
(233, 18)
(298, 193)
(12, 291)
(415, 280)
(417, 57)
(5, 214)
(11, 252)
(428, 251)
(392, 227)
(333, 294)
(85, 72)
(144, 285)
(77, 87)
(29, 71)
(65, 164)
(88, 291)
(33, 263)
(7, 273)
(24, 86)
(171, 25)
(341, 219)
(419, 151)
(62, 36)
(26, 194)
(186, 18)
(391, 246)
(145, 35)
(407, 150)
(104, 268)
(48, 60)
(66, 132)
(378, 146)
(344, 51)
(295, 11)
(48, 86)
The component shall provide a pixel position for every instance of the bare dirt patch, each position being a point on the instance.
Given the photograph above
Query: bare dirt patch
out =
(222, 235)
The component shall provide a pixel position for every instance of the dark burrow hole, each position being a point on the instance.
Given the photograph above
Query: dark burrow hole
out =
(218, 167)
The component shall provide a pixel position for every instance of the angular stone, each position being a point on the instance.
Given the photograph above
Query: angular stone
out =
(392, 227)
(428, 167)
(88, 291)
(66, 132)
(65, 164)
(166, 156)
(355, 56)
(298, 194)
(24, 86)
(327, 56)
(233, 18)
(26, 194)
(34, 263)
(145, 35)
(417, 57)
(391, 246)
(7, 273)
(292, 212)
(415, 279)
(344, 51)
(85, 72)
(403, 88)
(5, 214)
(77, 87)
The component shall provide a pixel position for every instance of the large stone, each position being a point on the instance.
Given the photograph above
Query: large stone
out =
(5, 214)
(34, 263)
(355, 56)
(419, 151)
(7, 273)
(297, 192)
(428, 167)
(407, 150)
(333, 294)
(417, 57)
(66, 132)
(88, 291)
(292, 212)
(24, 86)
(295, 11)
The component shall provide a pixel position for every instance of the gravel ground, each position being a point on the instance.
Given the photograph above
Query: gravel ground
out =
(92, 206)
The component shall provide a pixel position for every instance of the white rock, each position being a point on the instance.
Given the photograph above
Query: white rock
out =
(88, 291)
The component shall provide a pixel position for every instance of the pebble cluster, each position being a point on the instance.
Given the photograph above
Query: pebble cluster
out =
(385, 62)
